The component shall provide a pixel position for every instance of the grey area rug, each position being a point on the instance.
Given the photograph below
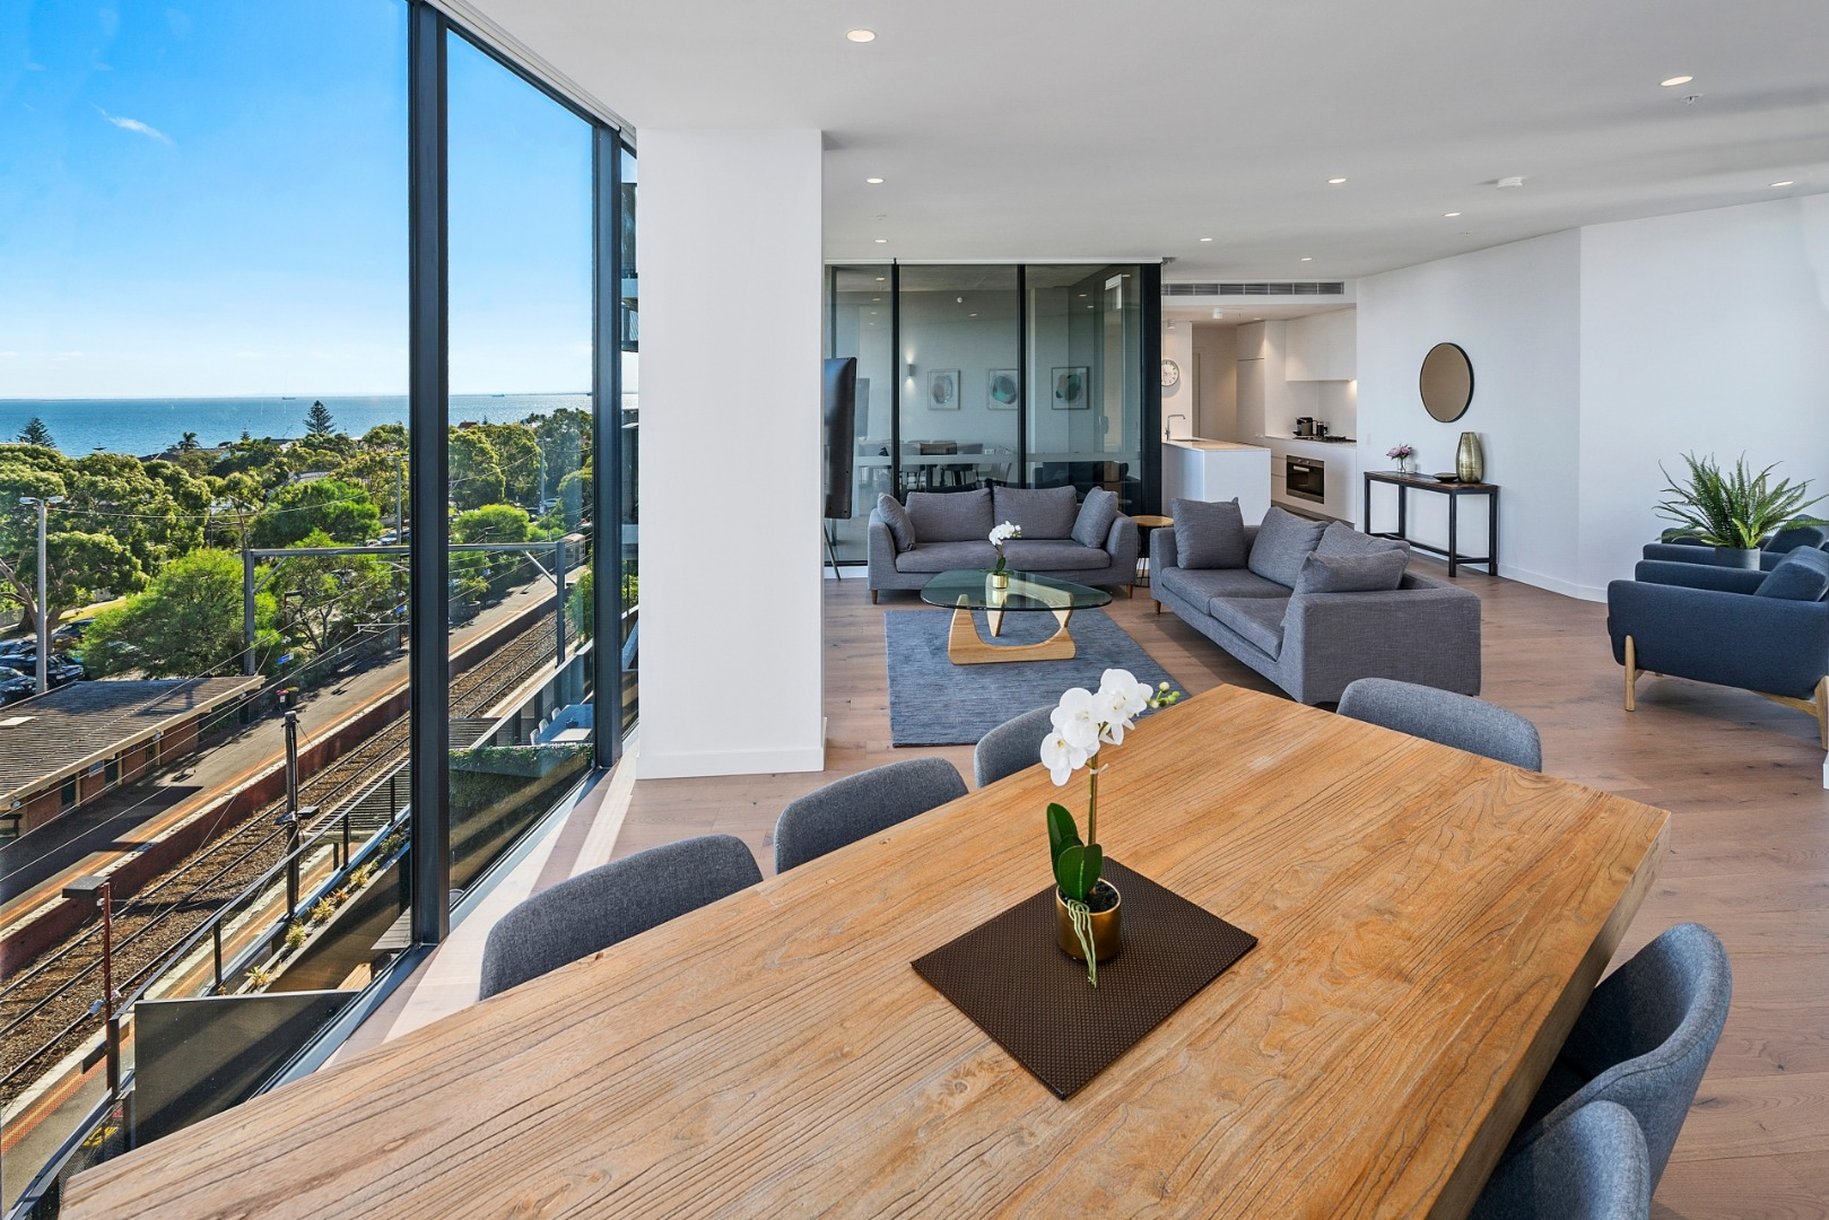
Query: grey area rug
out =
(933, 702)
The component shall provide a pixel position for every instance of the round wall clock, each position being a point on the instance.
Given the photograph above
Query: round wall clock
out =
(1171, 373)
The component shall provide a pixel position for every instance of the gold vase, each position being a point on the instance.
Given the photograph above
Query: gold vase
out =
(1106, 940)
(1000, 580)
(1470, 459)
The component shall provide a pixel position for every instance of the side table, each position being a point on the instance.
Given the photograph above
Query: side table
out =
(1145, 523)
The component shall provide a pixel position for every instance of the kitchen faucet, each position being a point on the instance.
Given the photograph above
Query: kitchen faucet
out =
(1168, 426)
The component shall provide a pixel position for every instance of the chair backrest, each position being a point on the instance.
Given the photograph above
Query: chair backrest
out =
(595, 909)
(861, 805)
(1011, 746)
(1442, 716)
(1590, 1166)
(1646, 1034)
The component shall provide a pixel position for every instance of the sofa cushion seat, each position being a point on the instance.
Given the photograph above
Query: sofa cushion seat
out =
(1048, 555)
(1043, 512)
(1258, 619)
(945, 556)
(957, 516)
(1203, 584)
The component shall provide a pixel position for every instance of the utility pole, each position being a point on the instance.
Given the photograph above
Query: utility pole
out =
(99, 890)
(44, 625)
(293, 818)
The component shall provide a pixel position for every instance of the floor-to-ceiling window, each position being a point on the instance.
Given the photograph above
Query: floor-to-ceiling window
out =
(859, 325)
(519, 202)
(240, 242)
(1088, 390)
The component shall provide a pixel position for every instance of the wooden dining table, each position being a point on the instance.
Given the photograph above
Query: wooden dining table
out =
(1429, 924)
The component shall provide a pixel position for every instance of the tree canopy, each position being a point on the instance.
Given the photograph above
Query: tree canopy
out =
(341, 510)
(187, 622)
(35, 433)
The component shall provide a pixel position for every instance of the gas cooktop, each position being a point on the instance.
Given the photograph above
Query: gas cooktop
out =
(1328, 440)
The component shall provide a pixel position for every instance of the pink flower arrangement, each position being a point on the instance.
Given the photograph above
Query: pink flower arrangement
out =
(1401, 453)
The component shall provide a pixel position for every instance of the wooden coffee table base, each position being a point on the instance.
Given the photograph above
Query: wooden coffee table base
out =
(964, 646)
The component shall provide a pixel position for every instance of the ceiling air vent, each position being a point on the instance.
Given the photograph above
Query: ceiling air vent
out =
(1261, 288)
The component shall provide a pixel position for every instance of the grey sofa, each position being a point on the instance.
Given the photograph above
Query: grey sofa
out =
(951, 530)
(1312, 644)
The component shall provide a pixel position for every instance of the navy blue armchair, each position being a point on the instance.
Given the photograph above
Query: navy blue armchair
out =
(1705, 623)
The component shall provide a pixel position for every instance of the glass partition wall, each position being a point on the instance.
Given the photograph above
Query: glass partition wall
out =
(1022, 375)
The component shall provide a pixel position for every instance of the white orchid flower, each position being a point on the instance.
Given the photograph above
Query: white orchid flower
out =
(1061, 757)
(1003, 533)
(1077, 719)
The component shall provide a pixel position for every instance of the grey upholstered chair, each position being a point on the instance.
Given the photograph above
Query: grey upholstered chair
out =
(1590, 1166)
(1643, 1040)
(859, 805)
(1011, 746)
(1442, 716)
(613, 902)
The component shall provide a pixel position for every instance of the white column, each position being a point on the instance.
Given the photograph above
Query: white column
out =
(730, 262)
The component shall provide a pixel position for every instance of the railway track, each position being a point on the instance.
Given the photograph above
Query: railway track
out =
(45, 1009)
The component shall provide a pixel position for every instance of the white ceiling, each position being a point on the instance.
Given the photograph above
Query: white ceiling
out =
(1060, 129)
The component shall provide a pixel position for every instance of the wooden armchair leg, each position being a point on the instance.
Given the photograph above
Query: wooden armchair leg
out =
(873, 597)
(1631, 674)
(1822, 711)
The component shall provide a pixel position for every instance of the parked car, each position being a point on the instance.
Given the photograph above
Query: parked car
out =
(60, 671)
(15, 686)
(71, 633)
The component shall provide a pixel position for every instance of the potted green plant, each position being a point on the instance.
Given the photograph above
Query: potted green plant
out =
(1087, 907)
(1732, 510)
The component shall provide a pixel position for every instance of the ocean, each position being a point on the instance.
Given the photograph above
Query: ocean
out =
(143, 426)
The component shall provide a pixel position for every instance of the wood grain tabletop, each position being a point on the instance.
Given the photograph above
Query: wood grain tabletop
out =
(1429, 925)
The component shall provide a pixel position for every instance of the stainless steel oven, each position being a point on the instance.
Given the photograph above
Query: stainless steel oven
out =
(1305, 478)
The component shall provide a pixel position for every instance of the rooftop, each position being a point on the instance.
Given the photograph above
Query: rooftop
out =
(63, 732)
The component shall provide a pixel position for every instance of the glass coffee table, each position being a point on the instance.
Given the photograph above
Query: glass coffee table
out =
(969, 589)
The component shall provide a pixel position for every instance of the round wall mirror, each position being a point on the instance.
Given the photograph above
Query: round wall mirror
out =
(1446, 382)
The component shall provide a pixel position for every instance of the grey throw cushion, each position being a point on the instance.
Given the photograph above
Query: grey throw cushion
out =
(1209, 534)
(1284, 543)
(1372, 573)
(1342, 539)
(958, 516)
(1097, 514)
(1802, 575)
(901, 525)
(1043, 512)
(1793, 536)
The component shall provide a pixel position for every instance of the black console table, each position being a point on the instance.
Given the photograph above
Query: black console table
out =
(1454, 492)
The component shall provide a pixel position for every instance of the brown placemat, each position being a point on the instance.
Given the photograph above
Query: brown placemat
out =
(1008, 975)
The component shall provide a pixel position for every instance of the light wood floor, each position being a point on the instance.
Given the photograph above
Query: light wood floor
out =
(1749, 858)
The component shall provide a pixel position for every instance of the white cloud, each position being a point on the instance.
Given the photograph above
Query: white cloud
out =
(134, 125)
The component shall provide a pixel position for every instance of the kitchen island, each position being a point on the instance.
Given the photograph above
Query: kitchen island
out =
(1194, 468)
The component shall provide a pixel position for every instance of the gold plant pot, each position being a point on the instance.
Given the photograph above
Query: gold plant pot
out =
(1106, 939)
(1000, 580)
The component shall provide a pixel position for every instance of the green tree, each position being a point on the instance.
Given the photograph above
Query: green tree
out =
(476, 469)
(187, 622)
(517, 448)
(188, 443)
(492, 523)
(319, 421)
(385, 438)
(35, 433)
(578, 605)
(325, 599)
(342, 510)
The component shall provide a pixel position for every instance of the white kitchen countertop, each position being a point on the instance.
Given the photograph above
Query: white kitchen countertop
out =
(1202, 443)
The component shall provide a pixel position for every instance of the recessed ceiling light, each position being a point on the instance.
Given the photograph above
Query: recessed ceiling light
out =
(883, 241)
(861, 35)
(971, 315)
(1676, 80)
(1446, 215)
(874, 181)
(876, 298)
(1336, 181)
(1786, 182)
(1206, 239)
(1082, 294)
(1308, 258)
(882, 279)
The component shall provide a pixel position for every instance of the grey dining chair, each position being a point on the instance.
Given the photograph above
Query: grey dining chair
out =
(1011, 746)
(594, 910)
(1442, 716)
(1590, 1166)
(860, 805)
(1643, 1040)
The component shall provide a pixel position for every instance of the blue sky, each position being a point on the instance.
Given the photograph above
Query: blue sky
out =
(210, 199)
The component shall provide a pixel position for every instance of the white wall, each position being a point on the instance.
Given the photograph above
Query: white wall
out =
(1707, 331)
(731, 658)
(1516, 311)
(1178, 399)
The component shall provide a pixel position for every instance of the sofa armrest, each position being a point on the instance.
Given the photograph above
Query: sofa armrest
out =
(1428, 633)
(1162, 550)
(1768, 644)
(1703, 556)
(1122, 545)
(1697, 576)
(880, 550)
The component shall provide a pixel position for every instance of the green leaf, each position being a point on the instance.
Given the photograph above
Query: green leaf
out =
(1062, 832)
(1076, 870)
